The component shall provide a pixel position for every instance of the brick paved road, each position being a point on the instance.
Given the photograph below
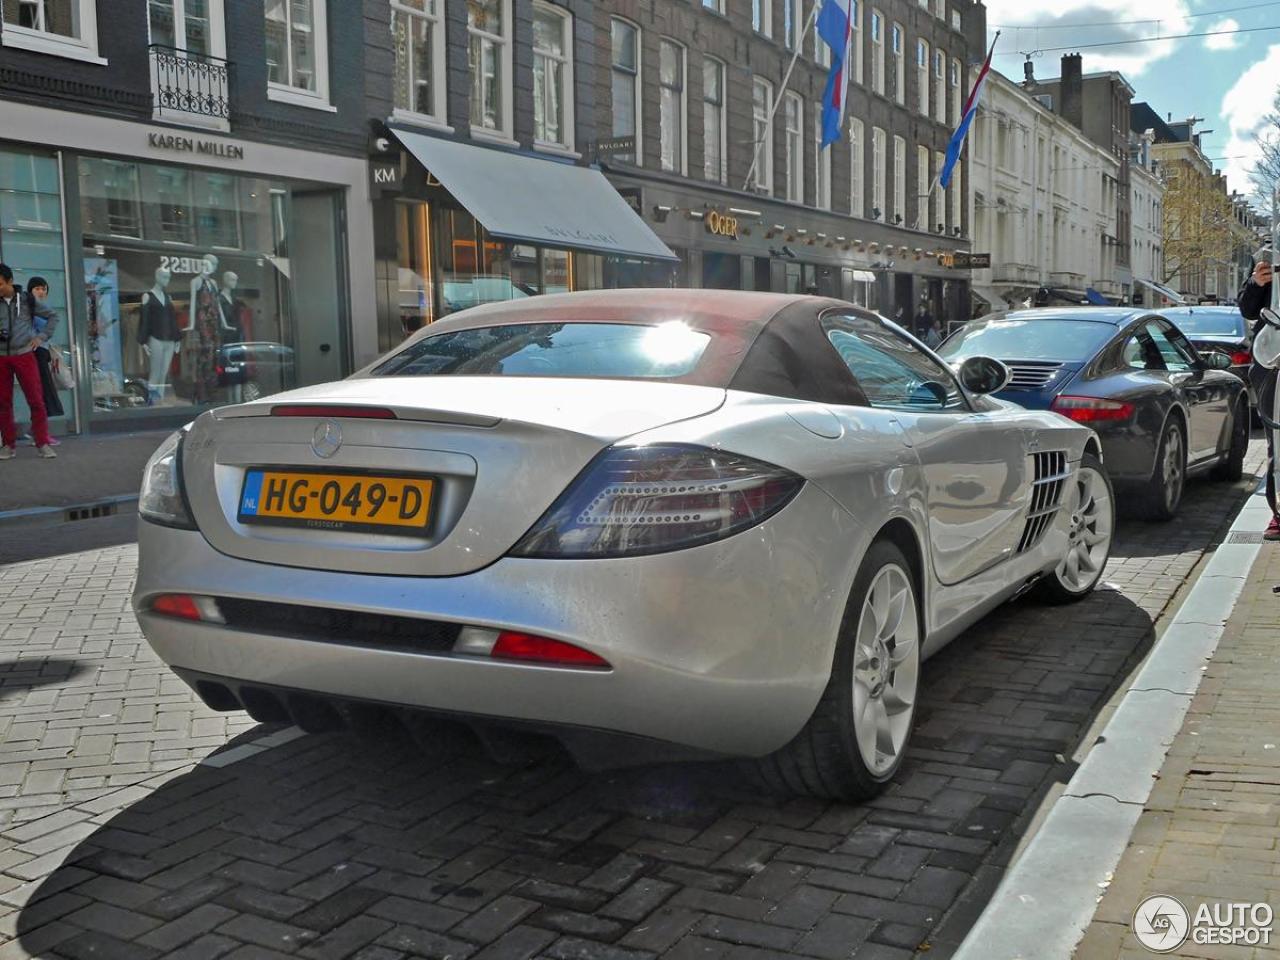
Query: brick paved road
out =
(116, 841)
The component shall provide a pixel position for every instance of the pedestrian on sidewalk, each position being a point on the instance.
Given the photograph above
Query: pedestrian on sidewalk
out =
(19, 339)
(38, 289)
(1254, 296)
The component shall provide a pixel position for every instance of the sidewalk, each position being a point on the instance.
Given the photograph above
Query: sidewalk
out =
(1210, 831)
(88, 470)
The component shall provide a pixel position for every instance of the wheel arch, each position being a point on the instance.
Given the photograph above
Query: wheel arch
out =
(900, 532)
(1179, 415)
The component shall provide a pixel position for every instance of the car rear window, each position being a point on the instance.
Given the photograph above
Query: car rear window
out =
(1209, 323)
(1058, 340)
(589, 350)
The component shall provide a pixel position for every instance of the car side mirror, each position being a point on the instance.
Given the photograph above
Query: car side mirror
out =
(1216, 360)
(983, 375)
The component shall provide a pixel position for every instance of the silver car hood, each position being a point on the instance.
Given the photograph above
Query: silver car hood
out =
(501, 450)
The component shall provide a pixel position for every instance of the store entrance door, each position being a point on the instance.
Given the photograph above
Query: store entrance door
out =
(316, 261)
(722, 271)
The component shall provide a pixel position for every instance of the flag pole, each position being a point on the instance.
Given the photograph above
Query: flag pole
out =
(777, 101)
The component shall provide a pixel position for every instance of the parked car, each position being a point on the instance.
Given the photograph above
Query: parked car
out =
(1162, 410)
(651, 523)
(1216, 329)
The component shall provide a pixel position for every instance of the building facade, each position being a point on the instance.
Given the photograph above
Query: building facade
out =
(192, 179)
(1146, 191)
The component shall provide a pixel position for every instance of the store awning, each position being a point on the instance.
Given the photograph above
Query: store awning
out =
(989, 295)
(863, 276)
(534, 200)
(1166, 292)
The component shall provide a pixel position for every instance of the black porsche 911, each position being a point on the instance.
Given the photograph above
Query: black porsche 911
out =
(1162, 410)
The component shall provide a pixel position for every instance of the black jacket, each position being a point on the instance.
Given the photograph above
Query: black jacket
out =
(1262, 382)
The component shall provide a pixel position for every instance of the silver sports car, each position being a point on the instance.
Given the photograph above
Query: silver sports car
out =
(651, 523)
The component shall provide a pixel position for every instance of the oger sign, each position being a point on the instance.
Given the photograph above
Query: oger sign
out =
(721, 224)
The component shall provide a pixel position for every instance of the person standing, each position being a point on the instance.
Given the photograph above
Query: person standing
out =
(1254, 296)
(38, 290)
(19, 339)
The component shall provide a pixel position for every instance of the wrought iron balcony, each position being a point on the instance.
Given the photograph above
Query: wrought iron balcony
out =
(190, 87)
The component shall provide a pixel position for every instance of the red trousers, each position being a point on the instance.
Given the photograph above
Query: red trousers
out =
(24, 367)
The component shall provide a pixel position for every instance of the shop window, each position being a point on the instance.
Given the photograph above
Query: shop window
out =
(713, 120)
(417, 35)
(115, 195)
(761, 108)
(62, 28)
(857, 168)
(625, 39)
(794, 147)
(489, 57)
(219, 217)
(671, 105)
(762, 17)
(552, 76)
(297, 52)
(173, 201)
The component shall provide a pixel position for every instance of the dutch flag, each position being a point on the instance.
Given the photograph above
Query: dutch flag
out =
(962, 131)
(835, 27)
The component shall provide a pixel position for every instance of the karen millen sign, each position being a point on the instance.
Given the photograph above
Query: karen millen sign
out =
(205, 148)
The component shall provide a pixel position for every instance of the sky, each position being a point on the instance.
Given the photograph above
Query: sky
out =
(1230, 80)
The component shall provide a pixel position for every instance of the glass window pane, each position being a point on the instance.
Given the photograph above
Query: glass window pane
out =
(548, 32)
(195, 15)
(163, 31)
(277, 52)
(302, 45)
(624, 44)
(670, 64)
(485, 15)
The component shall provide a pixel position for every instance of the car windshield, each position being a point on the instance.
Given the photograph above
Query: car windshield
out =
(1209, 323)
(1048, 339)
(604, 350)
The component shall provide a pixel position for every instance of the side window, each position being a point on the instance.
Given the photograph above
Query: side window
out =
(1174, 359)
(892, 372)
(1140, 353)
(1183, 345)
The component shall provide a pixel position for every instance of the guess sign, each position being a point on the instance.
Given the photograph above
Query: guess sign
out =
(722, 225)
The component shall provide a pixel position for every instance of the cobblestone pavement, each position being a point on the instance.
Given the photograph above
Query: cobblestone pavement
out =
(135, 823)
(1210, 832)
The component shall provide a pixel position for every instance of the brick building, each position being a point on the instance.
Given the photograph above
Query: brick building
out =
(191, 176)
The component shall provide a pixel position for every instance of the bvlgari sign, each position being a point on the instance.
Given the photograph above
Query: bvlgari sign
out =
(205, 148)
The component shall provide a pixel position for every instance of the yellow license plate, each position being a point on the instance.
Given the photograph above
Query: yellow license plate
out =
(337, 501)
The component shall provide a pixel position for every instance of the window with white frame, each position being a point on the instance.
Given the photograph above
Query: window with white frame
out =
(64, 28)
(761, 107)
(857, 169)
(192, 26)
(792, 22)
(762, 16)
(671, 105)
(955, 19)
(855, 42)
(922, 188)
(417, 35)
(297, 51)
(552, 76)
(940, 9)
(714, 133)
(877, 52)
(821, 166)
(955, 92)
(940, 86)
(938, 199)
(878, 171)
(899, 64)
(899, 180)
(489, 57)
(716, 5)
(793, 146)
(625, 82)
(821, 52)
(922, 76)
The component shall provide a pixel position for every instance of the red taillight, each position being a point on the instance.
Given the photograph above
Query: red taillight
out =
(531, 649)
(1092, 409)
(332, 410)
(176, 605)
(1241, 358)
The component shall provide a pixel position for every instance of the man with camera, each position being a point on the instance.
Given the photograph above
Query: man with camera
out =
(1255, 296)
(19, 338)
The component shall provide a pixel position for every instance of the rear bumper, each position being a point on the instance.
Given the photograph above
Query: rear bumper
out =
(724, 648)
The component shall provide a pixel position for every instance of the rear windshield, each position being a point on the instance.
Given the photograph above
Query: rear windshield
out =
(1209, 323)
(1060, 340)
(603, 350)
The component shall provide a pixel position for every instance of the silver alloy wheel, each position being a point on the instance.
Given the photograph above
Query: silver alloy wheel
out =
(1171, 468)
(1089, 539)
(886, 669)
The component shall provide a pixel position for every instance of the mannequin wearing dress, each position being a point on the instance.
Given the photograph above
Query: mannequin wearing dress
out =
(229, 307)
(204, 332)
(158, 333)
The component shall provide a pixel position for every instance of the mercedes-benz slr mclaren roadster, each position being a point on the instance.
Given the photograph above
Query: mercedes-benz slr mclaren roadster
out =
(652, 524)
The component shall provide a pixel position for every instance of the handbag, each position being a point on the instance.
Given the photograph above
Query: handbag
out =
(60, 367)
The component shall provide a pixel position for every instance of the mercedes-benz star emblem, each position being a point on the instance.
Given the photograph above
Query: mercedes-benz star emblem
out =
(326, 439)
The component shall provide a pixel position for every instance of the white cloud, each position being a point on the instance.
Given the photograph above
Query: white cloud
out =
(1224, 42)
(1243, 109)
(1098, 23)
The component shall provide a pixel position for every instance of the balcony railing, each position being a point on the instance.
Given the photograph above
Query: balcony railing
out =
(190, 87)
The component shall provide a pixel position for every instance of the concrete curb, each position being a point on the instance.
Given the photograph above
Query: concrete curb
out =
(50, 516)
(1048, 897)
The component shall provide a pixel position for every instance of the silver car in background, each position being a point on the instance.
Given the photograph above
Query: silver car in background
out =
(653, 524)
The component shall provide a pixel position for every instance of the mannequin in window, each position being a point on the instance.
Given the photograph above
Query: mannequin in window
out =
(232, 307)
(204, 333)
(158, 334)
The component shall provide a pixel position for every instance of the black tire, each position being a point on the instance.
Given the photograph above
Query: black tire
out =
(1231, 468)
(1053, 588)
(823, 760)
(1160, 501)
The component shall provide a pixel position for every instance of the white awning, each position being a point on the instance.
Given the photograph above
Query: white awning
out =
(863, 276)
(537, 200)
(1166, 292)
(989, 295)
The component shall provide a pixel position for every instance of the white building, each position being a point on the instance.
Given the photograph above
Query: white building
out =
(1044, 202)
(1146, 190)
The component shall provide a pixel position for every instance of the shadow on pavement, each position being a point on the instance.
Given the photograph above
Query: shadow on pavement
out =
(330, 844)
(19, 676)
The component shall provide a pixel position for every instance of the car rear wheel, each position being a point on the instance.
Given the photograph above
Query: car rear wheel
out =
(1091, 504)
(855, 741)
(1164, 490)
(1231, 467)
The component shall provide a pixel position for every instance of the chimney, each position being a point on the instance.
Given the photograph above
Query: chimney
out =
(1073, 90)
